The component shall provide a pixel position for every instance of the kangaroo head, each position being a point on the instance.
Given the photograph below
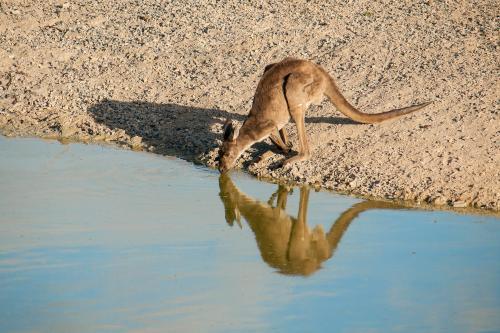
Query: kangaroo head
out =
(229, 151)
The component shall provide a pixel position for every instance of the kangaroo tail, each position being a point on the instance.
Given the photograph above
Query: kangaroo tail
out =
(333, 93)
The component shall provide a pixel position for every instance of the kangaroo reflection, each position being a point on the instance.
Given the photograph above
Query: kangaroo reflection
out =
(287, 243)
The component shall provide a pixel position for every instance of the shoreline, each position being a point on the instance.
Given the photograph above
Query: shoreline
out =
(409, 204)
(164, 80)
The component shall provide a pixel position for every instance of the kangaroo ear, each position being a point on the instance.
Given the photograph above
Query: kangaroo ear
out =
(228, 129)
(236, 132)
(268, 67)
(230, 132)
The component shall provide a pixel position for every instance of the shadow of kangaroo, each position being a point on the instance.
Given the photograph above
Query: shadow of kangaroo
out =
(171, 129)
(287, 243)
(176, 130)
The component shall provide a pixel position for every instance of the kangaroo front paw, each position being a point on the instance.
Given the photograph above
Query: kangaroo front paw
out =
(268, 154)
(288, 147)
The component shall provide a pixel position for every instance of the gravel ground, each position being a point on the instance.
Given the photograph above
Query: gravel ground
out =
(162, 76)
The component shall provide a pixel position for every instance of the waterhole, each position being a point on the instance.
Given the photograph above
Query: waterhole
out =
(97, 239)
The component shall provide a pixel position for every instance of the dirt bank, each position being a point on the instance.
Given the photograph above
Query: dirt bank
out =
(163, 76)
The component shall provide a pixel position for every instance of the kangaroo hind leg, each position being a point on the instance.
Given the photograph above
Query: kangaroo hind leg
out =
(298, 90)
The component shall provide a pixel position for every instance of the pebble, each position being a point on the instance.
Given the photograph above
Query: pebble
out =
(136, 141)
(460, 204)
(439, 201)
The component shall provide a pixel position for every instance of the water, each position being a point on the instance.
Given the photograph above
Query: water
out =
(95, 239)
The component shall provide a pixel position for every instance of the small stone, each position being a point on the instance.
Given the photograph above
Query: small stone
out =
(136, 141)
(268, 154)
(439, 201)
(460, 204)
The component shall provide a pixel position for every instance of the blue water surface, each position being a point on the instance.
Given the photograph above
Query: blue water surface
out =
(96, 239)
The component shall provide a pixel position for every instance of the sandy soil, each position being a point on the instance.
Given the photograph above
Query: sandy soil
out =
(162, 76)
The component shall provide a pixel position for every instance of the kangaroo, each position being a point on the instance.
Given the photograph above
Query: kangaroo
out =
(285, 91)
(287, 243)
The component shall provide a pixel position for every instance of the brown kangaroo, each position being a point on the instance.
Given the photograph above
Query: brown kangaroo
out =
(287, 243)
(285, 91)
